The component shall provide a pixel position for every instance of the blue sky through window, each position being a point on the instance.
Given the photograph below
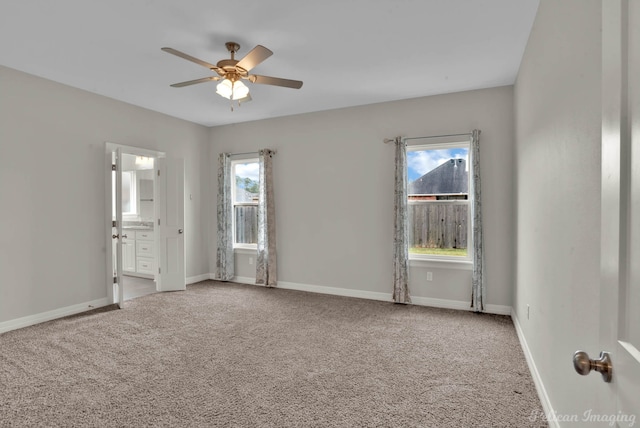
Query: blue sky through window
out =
(419, 162)
(248, 170)
(246, 181)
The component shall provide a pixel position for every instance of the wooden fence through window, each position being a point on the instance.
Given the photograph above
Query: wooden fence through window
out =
(438, 225)
(246, 218)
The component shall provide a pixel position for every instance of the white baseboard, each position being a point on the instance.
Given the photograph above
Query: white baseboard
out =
(50, 315)
(374, 295)
(498, 309)
(244, 280)
(198, 278)
(458, 305)
(537, 380)
(440, 303)
(346, 292)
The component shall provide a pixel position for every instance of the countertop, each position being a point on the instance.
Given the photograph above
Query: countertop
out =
(137, 228)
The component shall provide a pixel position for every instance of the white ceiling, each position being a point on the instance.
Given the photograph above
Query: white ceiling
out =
(347, 52)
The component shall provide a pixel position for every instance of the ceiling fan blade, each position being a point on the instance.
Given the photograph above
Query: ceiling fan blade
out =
(245, 99)
(190, 58)
(193, 82)
(254, 57)
(276, 81)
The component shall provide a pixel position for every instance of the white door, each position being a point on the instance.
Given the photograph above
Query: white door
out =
(628, 344)
(117, 235)
(170, 236)
(620, 247)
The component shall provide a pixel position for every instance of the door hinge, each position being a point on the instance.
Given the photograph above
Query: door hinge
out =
(158, 173)
(158, 222)
(159, 271)
(114, 223)
(115, 279)
(113, 167)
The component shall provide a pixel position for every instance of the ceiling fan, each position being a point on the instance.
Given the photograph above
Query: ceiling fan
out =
(231, 72)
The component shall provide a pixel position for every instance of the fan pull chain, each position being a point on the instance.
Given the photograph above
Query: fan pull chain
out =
(233, 84)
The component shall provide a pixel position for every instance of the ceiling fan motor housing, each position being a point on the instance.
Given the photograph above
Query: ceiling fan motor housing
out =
(228, 69)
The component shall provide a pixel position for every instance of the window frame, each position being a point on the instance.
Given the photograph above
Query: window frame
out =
(133, 195)
(469, 201)
(234, 162)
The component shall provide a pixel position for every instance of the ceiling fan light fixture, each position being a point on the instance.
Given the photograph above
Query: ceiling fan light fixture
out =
(240, 90)
(232, 90)
(225, 89)
(231, 71)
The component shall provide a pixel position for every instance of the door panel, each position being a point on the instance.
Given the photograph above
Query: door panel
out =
(118, 228)
(172, 275)
(628, 347)
(620, 245)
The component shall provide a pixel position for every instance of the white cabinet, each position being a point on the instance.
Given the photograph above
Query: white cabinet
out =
(144, 235)
(145, 265)
(138, 253)
(144, 252)
(144, 248)
(128, 255)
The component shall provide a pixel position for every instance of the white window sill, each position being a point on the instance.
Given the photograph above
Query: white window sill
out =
(441, 263)
(245, 250)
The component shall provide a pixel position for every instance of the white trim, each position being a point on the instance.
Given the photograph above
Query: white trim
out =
(375, 295)
(458, 305)
(441, 264)
(454, 142)
(198, 278)
(245, 250)
(239, 161)
(51, 315)
(535, 374)
(243, 280)
(441, 303)
(137, 151)
(335, 291)
(498, 309)
(237, 246)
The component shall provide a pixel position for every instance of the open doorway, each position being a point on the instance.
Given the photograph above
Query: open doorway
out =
(145, 227)
(137, 211)
(138, 234)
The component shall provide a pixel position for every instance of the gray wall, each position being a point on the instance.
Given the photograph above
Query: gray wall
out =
(558, 124)
(328, 163)
(52, 189)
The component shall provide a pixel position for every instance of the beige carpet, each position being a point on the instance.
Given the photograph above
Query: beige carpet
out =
(245, 356)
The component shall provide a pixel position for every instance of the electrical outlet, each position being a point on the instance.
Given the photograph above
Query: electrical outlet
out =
(528, 311)
(250, 260)
(429, 276)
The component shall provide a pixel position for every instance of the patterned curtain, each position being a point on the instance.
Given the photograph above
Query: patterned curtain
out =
(267, 256)
(478, 287)
(224, 255)
(401, 234)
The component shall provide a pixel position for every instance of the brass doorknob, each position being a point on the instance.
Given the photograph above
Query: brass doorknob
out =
(583, 364)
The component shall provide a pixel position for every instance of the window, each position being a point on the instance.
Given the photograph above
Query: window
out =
(129, 205)
(439, 201)
(129, 202)
(244, 195)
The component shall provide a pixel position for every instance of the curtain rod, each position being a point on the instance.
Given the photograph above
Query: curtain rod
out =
(249, 153)
(390, 140)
